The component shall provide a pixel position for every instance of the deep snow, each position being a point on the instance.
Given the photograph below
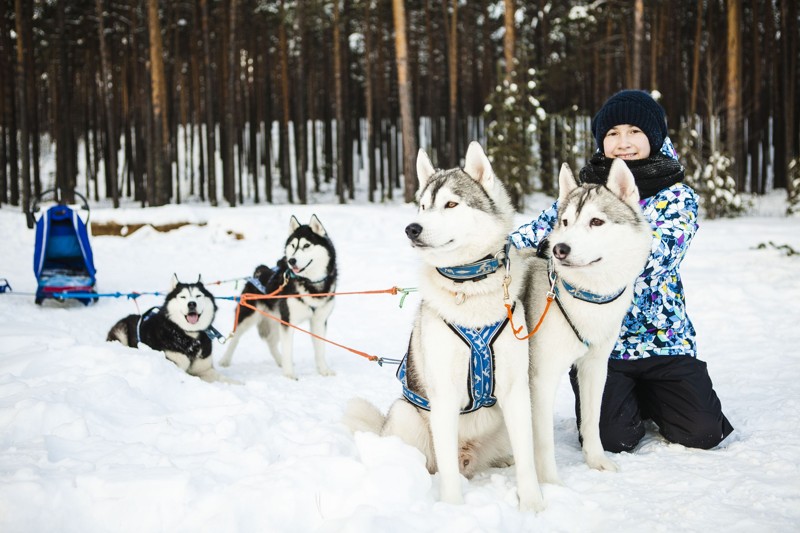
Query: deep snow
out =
(98, 437)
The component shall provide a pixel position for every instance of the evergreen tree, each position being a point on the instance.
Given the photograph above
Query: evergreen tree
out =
(714, 180)
(794, 190)
(514, 116)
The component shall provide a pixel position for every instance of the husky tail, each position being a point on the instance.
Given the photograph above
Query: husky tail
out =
(361, 415)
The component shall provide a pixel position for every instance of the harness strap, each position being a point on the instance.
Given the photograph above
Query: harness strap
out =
(143, 318)
(480, 379)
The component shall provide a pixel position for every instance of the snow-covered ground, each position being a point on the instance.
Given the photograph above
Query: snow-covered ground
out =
(97, 437)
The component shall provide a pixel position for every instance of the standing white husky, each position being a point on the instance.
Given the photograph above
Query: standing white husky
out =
(598, 247)
(466, 401)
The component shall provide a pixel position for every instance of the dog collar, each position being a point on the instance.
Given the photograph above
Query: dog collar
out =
(580, 294)
(473, 271)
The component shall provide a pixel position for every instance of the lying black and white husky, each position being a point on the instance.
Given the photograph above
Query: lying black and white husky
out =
(181, 328)
(307, 267)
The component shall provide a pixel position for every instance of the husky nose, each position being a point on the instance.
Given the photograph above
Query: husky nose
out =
(292, 261)
(413, 230)
(192, 306)
(561, 250)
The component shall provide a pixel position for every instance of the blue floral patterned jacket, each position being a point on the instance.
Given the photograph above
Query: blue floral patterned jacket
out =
(656, 323)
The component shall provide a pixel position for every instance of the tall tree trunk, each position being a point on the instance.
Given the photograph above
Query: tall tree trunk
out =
(107, 95)
(211, 142)
(638, 38)
(452, 67)
(284, 153)
(160, 185)
(22, 105)
(6, 107)
(509, 39)
(339, 105)
(65, 173)
(406, 112)
(368, 98)
(228, 170)
(300, 101)
(698, 46)
(733, 89)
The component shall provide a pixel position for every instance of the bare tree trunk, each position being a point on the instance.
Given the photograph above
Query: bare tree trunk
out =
(368, 97)
(733, 89)
(65, 172)
(509, 39)
(638, 37)
(107, 95)
(283, 153)
(698, 45)
(338, 74)
(24, 134)
(406, 112)
(160, 184)
(211, 143)
(228, 171)
(452, 65)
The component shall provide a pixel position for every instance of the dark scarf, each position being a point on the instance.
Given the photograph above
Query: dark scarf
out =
(652, 174)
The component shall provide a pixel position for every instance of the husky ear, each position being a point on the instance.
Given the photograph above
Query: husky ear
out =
(173, 282)
(424, 168)
(316, 226)
(477, 165)
(200, 279)
(621, 182)
(566, 183)
(293, 224)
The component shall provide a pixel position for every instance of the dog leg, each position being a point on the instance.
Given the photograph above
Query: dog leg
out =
(287, 347)
(444, 429)
(204, 369)
(405, 421)
(179, 359)
(546, 377)
(233, 342)
(592, 371)
(319, 327)
(516, 406)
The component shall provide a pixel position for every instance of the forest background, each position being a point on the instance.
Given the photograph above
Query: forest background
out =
(253, 101)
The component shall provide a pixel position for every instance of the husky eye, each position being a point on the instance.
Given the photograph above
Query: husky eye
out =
(305, 246)
(450, 205)
(596, 222)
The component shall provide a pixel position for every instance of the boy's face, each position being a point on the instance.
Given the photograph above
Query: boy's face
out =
(626, 141)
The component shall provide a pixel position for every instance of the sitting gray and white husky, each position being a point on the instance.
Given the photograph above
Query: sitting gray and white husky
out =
(466, 397)
(307, 267)
(181, 328)
(597, 249)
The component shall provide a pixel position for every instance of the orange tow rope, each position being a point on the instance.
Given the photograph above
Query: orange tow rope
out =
(550, 297)
(245, 298)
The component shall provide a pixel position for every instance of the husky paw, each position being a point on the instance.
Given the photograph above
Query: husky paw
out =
(602, 463)
(533, 504)
(290, 376)
(326, 372)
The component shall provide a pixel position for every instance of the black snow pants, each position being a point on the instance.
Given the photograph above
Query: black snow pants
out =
(674, 391)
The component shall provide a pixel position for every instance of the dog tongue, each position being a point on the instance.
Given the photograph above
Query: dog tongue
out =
(192, 318)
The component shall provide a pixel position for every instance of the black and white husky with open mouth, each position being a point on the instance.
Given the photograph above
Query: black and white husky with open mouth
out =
(181, 328)
(308, 267)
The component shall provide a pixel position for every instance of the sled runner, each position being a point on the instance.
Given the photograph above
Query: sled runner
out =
(62, 257)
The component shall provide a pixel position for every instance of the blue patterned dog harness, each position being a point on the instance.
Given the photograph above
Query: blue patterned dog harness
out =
(481, 367)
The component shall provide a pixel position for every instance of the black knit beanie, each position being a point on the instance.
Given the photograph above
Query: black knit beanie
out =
(636, 108)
